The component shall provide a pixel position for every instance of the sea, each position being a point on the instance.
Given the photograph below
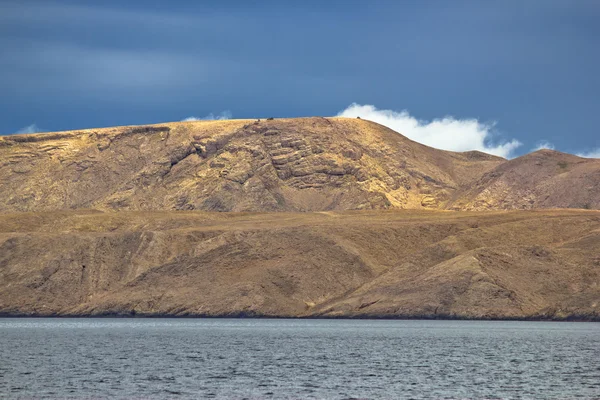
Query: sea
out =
(298, 359)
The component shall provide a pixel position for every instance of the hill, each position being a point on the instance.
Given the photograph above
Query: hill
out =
(384, 264)
(305, 164)
(543, 179)
(302, 164)
(308, 217)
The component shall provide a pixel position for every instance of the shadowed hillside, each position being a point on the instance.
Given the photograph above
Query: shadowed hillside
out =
(521, 264)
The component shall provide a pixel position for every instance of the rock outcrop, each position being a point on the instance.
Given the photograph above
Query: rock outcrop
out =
(307, 164)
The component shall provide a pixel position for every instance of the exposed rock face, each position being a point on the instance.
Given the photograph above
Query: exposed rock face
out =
(279, 165)
(520, 264)
(305, 164)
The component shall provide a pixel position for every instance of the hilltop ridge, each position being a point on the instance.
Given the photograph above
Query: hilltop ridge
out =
(301, 164)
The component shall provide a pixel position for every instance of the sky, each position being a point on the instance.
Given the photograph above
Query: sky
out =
(506, 77)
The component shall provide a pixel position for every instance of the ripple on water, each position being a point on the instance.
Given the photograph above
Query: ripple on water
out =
(297, 358)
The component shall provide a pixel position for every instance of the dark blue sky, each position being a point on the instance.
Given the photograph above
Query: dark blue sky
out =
(530, 66)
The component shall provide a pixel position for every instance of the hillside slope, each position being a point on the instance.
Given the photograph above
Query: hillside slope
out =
(521, 264)
(301, 164)
(543, 179)
(292, 247)
(304, 164)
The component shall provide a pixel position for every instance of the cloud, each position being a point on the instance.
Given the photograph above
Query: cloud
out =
(543, 144)
(33, 128)
(590, 154)
(447, 133)
(222, 115)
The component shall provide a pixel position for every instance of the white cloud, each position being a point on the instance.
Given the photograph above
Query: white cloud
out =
(447, 133)
(590, 154)
(543, 145)
(222, 115)
(33, 128)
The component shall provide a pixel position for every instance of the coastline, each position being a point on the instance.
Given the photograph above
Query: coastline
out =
(426, 317)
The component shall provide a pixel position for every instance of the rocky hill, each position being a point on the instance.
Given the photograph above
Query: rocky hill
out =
(516, 264)
(544, 179)
(307, 164)
(304, 164)
(332, 217)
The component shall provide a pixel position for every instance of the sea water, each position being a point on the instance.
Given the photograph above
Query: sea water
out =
(271, 358)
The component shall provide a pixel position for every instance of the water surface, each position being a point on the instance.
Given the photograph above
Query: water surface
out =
(260, 358)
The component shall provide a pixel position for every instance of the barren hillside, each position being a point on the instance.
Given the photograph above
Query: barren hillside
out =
(306, 164)
(543, 179)
(288, 218)
(303, 164)
(519, 264)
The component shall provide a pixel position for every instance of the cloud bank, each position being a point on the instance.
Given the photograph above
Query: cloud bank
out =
(447, 133)
(222, 115)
